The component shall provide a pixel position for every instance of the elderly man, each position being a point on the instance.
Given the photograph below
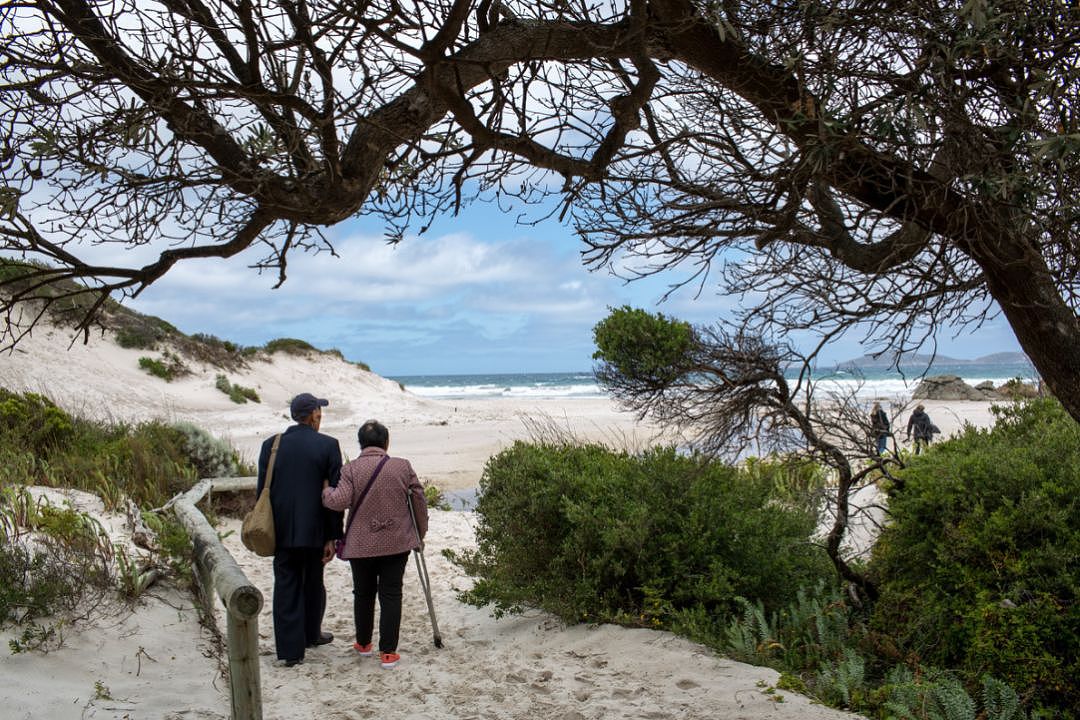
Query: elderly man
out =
(304, 530)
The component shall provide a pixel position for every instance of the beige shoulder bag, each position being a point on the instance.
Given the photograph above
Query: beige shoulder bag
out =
(257, 530)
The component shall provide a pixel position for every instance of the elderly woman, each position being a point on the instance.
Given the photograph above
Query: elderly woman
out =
(379, 535)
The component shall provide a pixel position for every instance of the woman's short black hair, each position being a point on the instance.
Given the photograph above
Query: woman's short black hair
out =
(373, 433)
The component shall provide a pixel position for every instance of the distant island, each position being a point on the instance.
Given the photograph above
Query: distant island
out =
(919, 360)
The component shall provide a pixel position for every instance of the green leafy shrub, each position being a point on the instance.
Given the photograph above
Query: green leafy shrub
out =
(211, 456)
(592, 534)
(814, 629)
(978, 569)
(937, 695)
(222, 383)
(292, 346)
(214, 341)
(435, 497)
(33, 422)
(173, 542)
(29, 588)
(236, 393)
(137, 338)
(843, 682)
(168, 368)
(212, 350)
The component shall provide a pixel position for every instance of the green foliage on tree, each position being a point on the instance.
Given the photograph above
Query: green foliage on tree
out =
(978, 567)
(896, 168)
(643, 345)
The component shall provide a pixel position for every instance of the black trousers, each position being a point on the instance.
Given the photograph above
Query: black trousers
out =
(382, 576)
(299, 600)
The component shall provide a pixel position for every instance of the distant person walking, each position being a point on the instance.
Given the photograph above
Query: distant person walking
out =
(923, 429)
(379, 536)
(304, 530)
(879, 428)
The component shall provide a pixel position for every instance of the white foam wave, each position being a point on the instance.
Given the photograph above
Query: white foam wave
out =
(590, 390)
(888, 388)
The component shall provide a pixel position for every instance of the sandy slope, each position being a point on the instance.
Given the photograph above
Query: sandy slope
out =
(448, 442)
(155, 662)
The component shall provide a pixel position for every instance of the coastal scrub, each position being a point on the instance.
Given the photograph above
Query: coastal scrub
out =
(593, 534)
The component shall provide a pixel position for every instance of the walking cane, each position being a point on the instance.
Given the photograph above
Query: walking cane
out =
(421, 569)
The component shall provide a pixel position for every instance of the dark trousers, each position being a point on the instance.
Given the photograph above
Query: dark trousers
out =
(381, 576)
(299, 600)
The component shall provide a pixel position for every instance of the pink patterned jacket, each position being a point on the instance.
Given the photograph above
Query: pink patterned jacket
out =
(382, 525)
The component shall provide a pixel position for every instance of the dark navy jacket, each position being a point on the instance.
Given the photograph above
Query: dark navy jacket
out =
(304, 459)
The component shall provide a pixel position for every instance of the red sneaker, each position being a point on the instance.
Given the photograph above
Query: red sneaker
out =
(389, 660)
(364, 650)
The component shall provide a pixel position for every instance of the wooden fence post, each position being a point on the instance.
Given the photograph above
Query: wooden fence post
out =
(220, 574)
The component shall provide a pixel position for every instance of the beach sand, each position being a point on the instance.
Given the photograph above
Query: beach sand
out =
(158, 661)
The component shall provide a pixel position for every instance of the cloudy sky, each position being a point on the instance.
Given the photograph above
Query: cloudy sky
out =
(476, 294)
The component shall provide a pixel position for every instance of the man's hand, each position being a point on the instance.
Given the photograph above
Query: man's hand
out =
(328, 552)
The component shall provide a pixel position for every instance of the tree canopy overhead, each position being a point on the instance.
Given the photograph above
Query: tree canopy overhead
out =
(905, 163)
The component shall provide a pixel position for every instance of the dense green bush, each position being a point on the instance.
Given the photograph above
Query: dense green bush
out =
(33, 423)
(137, 338)
(142, 332)
(214, 341)
(291, 346)
(138, 331)
(978, 568)
(148, 462)
(813, 630)
(937, 695)
(652, 539)
(212, 350)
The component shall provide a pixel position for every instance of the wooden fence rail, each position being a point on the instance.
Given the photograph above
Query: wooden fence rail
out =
(220, 574)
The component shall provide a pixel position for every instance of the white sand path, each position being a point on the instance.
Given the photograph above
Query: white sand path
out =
(521, 667)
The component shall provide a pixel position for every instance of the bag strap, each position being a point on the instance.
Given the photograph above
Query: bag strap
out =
(352, 515)
(270, 464)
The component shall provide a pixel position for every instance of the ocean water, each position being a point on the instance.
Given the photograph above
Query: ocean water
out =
(867, 383)
(509, 385)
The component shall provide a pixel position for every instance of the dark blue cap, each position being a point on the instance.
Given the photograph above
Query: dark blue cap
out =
(304, 404)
